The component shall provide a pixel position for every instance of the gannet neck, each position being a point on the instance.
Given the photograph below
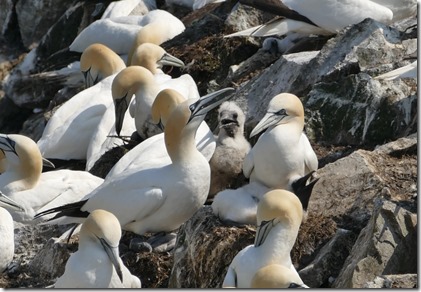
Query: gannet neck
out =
(165, 102)
(100, 62)
(179, 134)
(25, 166)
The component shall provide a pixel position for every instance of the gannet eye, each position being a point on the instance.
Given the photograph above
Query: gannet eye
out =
(281, 112)
(191, 107)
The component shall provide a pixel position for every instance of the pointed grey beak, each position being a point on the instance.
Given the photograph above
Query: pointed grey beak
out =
(9, 202)
(170, 60)
(262, 232)
(209, 102)
(121, 105)
(47, 163)
(112, 253)
(270, 119)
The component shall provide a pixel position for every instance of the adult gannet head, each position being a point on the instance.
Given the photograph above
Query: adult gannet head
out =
(97, 62)
(283, 108)
(23, 158)
(154, 33)
(186, 118)
(276, 276)
(165, 102)
(277, 207)
(231, 119)
(152, 57)
(125, 85)
(103, 228)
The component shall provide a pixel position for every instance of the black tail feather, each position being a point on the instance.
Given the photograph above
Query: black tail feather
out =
(70, 210)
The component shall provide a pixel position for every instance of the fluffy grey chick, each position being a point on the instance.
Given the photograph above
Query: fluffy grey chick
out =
(231, 148)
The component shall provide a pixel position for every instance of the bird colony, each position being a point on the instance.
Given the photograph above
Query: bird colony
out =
(177, 162)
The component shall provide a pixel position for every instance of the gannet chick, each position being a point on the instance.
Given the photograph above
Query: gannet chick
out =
(276, 276)
(159, 198)
(98, 62)
(231, 148)
(24, 182)
(279, 216)
(96, 263)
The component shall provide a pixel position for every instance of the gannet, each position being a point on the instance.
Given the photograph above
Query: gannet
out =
(327, 17)
(281, 158)
(408, 71)
(282, 153)
(119, 33)
(24, 183)
(279, 216)
(140, 82)
(152, 151)
(156, 32)
(276, 276)
(231, 147)
(98, 62)
(7, 239)
(96, 263)
(151, 57)
(162, 198)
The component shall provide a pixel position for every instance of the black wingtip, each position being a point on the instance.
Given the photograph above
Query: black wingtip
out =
(303, 190)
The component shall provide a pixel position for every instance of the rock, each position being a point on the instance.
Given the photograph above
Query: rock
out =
(242, 17)
(405, 281)
(204, 250)
(35, 18)
(347, 187)
(329, 260)
(6, 10)
(387, 245)
(51, 260)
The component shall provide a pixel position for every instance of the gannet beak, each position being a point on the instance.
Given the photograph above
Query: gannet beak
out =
(7, 144)
(303, 190)
(270, 119)
(262, 232)
(7, 201)
(47, 163)
(209, 102)
(112, 253)
(170, 60)
(121, 106)
(89, 81)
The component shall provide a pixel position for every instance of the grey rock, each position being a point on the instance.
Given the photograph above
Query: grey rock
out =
(36, 17)
(405, 281)
(347, 187)
(6, 10)
(387, 245)
(243, 17)
(329, 260)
